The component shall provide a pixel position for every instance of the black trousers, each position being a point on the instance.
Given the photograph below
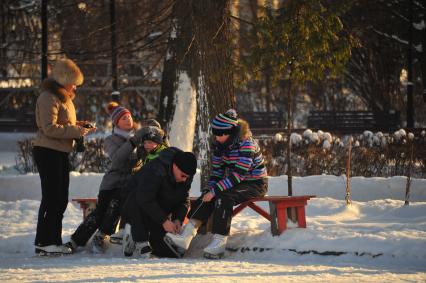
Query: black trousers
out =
(104, 217)
(222, 205)
(145, 229)
(53, 167)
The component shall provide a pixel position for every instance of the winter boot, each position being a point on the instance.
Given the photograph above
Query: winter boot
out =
(98, 245)
(179, 243)
(128, 243)
(52, 250)
(216, 248)
(142, 250)
(117, 238)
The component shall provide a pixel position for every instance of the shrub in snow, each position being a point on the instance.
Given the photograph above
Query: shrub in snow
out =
(399, 134)
(278, 137)
(315, 138)
(308, 158)
(328, 137)
(307, 134)
(295, 139)
(372, 155)
(326, 144)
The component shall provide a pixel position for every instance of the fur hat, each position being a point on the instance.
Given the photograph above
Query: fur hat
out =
(65, 72)
(224, 124)
(116, 112)
(154, 134)
(151, 122)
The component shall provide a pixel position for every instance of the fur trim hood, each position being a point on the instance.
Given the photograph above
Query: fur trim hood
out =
(245, 132)
(53, 87)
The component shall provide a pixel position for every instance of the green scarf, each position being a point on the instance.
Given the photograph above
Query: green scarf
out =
(154, 154)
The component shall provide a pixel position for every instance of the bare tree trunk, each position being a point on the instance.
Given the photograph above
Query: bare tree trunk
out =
(202, 49)
(289, 129)
(408, 185)
(348, 173)
(181, 57)
(215, 91)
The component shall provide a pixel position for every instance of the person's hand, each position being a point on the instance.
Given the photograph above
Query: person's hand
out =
(178, 225)
(82, 123)
(137, 137)
(84, 131)
(208, 197)
(169, 226)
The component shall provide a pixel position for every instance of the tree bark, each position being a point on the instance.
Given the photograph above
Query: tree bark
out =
(215, 84)
(202, 49)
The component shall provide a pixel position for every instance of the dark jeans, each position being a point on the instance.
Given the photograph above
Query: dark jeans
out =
(222, 205)
(104, 217)
(53, 167)
(145, 229)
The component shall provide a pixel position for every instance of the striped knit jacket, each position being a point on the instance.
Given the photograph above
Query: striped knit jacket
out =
(240, 161)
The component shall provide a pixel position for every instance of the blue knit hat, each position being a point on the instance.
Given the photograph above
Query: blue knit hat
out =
(224, 124)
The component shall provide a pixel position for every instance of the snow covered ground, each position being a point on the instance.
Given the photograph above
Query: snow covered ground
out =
(376, 239)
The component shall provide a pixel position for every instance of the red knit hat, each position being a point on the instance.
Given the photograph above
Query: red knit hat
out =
(116, 112)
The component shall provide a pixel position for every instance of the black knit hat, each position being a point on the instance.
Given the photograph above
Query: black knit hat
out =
(186, 162)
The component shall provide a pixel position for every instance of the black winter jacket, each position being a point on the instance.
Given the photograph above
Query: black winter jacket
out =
(156, 192)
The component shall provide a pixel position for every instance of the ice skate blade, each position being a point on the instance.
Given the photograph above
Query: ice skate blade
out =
(214, 256)
(42, 253)
(179, 252)
(116, 241)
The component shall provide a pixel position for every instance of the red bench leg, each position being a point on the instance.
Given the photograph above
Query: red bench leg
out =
(301, 218)
(282, 217)
(278, 218)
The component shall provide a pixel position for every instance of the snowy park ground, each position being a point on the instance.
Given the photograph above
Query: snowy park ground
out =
(378, 239)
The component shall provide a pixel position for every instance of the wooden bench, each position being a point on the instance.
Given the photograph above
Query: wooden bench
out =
(264, 122)
(279, 207)
(347, 122)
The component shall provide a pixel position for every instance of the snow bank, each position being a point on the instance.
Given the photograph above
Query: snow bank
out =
(18, 187)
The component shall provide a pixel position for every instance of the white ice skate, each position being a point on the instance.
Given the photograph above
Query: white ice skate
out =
(179, 243)
(142, 250)
(52, 250)
(98, 245)
(216, 248)
(128, 243)
(117, 238)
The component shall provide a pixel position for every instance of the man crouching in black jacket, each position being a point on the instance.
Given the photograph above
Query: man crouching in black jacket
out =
(158, 203)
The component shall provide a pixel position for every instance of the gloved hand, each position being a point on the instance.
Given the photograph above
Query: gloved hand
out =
(139, 134)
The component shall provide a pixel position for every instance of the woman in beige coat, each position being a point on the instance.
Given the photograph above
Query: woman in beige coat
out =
(57, 129)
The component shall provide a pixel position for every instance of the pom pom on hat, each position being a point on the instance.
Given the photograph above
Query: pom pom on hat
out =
(116, 112)
(224, 124)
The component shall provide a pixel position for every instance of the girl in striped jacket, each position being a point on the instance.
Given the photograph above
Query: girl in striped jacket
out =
(238, 174)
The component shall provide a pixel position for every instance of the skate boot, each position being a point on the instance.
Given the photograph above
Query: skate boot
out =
(142, 250)
(117, 238)
(52, 250)
(128, 243)
(72, 245)
(216, 248)
(179, 243)
(98, 245)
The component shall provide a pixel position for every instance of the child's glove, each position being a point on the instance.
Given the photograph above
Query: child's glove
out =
(136, 140)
